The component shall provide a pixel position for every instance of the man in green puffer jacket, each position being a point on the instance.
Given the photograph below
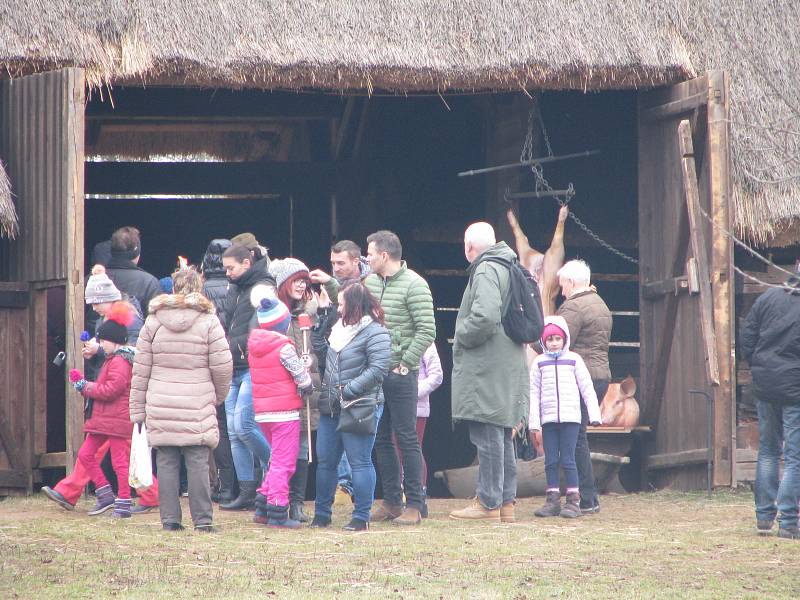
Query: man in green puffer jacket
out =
(408, 305)
(490, 387)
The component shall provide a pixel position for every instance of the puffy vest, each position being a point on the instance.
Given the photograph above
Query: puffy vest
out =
(274, 389)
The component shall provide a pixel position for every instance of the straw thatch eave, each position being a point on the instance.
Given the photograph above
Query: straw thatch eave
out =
(9, 222)
(446, 45)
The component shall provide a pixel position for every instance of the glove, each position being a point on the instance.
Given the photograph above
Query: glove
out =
(75, 375)
(80, 384)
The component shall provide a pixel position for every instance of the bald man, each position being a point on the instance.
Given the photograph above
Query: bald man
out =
(490, 376)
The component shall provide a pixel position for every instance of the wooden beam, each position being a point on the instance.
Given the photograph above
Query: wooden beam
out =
(655, 290)
(14, 294)
(212, 178)
(678, 107)
(14, 479)
(51, 460)
(7, 438)
(72, 153)
(722, 276)
(39, 361)
(699, 251)
(671, 460)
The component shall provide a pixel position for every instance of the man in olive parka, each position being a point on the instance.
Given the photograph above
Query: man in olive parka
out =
(490, 386)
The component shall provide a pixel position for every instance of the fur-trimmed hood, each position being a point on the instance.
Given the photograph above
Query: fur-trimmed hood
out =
(178, 312)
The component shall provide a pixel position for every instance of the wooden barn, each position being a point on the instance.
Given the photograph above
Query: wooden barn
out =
(308, 122)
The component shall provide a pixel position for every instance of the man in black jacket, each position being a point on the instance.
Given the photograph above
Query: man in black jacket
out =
(123, 269)
(250, 281)
(770, 342)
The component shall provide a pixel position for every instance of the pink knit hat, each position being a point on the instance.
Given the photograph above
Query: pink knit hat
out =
(552, 329)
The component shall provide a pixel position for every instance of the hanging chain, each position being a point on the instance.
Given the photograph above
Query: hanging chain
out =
(542, 184)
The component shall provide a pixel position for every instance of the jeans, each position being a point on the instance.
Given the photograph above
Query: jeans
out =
(284, 438)
(345, 474)
(245, 436)
(583, 458)
(559, 441)
(400, 418)
(497, 464)
(421, 423)
(168, 459)
(358, 449)
(779, 433)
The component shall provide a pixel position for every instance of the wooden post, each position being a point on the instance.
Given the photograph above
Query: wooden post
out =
(699, 251)
(73, 152)
(722, 277)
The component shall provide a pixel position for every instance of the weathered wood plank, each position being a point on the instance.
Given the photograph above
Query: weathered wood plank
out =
(677, 459)
(14, 479)
(698, 248)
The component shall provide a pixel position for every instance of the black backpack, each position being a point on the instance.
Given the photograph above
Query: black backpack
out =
(523, 318)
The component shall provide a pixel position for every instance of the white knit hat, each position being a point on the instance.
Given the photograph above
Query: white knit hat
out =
(282, 269)
(100, 289)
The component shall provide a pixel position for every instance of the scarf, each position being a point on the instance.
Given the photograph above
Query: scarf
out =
(341, 335)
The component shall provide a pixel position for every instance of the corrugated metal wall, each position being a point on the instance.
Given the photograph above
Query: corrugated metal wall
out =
(37, 122)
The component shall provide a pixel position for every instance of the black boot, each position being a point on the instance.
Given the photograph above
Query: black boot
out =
(297, 492)
(279, 517)
(261, 515)
(246, 498)
(227, 485)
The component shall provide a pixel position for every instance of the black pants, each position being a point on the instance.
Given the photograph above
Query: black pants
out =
(583, 459)
(400, 417)
(222, 453)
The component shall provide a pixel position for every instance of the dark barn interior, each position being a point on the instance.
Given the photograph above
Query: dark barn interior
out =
(302, 170)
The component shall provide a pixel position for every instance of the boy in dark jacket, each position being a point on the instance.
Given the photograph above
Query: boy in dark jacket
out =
(109, 420)
(770, 342)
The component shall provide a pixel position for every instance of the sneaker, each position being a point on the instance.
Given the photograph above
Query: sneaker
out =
(476, 512)
(205, 528)
(140, 509)
(764, 526)
(343, 497)
(172, 527)
(588, 508)
(789, 533)
(385, 512)
(356, 525)
(57, 498)
(320, 522)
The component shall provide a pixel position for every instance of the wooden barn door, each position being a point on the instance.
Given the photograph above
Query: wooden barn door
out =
(686, 278)
(41, 142)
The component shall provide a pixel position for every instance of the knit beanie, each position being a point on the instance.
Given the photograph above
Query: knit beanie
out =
(247, 239)
(282, 269)
(553, 329)
(166, 284)
(100, 289)
(115, 327)
(273, 315)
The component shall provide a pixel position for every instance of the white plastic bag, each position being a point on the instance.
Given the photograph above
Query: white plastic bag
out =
(140, 471)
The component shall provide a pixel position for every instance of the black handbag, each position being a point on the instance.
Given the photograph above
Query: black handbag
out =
(358, 416)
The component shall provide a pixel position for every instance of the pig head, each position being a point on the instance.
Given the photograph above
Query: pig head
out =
(619, 408)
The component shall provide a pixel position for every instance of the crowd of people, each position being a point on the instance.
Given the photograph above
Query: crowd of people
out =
(232, 365)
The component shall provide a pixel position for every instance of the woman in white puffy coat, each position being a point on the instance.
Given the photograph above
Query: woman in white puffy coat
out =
(559, 380)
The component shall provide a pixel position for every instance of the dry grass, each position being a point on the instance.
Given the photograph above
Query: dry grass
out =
(660, 545)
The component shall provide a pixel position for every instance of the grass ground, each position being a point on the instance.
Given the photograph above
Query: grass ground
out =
(658, 545)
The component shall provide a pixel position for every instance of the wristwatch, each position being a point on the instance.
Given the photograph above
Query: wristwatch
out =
(402, 370)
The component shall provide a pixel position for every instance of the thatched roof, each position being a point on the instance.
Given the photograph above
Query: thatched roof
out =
(9, 223)
(445, 45)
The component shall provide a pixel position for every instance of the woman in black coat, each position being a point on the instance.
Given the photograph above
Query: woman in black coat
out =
(357, 355)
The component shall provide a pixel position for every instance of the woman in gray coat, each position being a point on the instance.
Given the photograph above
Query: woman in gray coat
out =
(357, 357)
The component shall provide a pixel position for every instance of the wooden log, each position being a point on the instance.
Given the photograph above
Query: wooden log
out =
(671, 460)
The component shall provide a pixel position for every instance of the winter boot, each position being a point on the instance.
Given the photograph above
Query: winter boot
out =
(297, 492)
(57, 498)
(572, 507)
(227, 484)
(320, 522)
(423, 511)
(385, 512)
(279, 517)
(356, 525)
(261, 517)
(122, 508)
(551, 507)
(105, 500)
(246, 498)
(476, 512)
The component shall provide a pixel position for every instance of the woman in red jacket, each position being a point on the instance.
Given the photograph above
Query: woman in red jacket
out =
(109, 420)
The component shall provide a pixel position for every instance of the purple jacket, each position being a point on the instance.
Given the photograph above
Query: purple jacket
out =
(430, 378)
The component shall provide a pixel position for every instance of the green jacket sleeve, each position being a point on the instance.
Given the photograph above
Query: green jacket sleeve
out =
(420, 307)
(485, 313)
(332, 287)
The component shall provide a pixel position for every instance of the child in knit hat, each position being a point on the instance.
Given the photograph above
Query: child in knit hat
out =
(559, 382)
(279, 379)
(109, 419)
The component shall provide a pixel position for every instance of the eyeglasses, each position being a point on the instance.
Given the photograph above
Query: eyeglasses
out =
(300, 283)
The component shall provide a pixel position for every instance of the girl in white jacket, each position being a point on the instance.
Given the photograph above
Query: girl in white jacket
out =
(559, 379)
